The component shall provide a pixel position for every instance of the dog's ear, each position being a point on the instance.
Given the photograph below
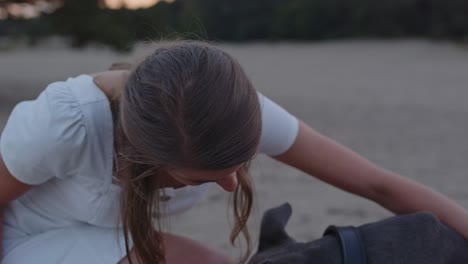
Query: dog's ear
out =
(272, 231)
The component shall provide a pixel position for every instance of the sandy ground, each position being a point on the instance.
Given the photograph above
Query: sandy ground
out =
(401, 104)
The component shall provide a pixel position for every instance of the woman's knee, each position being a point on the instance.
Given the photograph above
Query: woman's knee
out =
(219, 260)
(180, 250)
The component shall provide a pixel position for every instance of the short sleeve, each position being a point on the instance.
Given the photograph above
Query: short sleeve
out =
(279, 128)
(44, 138)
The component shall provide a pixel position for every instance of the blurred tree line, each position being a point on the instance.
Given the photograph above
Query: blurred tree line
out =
(85, 21)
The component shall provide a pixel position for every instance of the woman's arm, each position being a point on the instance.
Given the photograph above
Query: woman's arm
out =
(10, 189)
(1, 228)
(335, 164)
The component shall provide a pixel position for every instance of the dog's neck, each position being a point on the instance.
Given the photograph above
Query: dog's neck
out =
(324, 250)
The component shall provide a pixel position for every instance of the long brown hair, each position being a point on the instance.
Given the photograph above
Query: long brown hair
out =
(188, 105)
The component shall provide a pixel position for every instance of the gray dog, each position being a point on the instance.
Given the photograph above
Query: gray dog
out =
(418, 238)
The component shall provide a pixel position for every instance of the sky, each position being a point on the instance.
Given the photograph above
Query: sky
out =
(132, 4)
(30, 11)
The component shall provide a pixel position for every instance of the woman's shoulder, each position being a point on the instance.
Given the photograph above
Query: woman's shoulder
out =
(80, 98)
(279, 127)
(53, 134)
(83, 89)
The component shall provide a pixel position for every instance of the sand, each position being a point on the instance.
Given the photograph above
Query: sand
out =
(401, 104)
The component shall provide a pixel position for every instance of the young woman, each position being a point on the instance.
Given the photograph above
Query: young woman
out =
(122, 148)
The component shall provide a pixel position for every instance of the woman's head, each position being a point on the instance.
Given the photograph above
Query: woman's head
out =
(188, 114)
(190, 105)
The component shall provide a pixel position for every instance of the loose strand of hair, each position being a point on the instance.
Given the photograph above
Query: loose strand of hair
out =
(242, 206)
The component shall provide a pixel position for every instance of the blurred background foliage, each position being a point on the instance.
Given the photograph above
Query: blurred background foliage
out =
(86, 21)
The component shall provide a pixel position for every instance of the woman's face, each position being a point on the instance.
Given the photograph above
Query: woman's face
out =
(226, 178)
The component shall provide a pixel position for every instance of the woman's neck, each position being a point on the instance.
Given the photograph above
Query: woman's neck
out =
(111, 82)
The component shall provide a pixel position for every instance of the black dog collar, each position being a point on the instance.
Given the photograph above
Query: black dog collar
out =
(352, 246)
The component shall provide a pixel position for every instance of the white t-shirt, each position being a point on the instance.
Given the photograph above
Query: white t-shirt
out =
(63, 143)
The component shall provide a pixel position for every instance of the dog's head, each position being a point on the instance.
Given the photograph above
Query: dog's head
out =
(415, 238)
(277, 247)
